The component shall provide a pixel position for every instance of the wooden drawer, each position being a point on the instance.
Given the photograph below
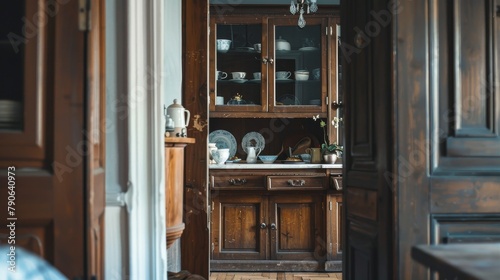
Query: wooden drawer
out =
(307, 182)
(237, 181)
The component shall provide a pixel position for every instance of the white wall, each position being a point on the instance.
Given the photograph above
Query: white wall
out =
(116, 237)
(123, 175)
(173, 52)
(173, 86)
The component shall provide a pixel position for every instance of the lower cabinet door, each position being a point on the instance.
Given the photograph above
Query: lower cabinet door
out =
(297, 228)
(239, 227)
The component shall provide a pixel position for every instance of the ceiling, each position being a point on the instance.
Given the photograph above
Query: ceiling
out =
(270, 2)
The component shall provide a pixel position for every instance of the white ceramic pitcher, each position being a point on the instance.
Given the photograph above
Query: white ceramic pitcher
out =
(180, 116)
(252, 154)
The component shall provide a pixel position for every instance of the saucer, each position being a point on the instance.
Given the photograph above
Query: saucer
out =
(255, 80)
(308, 49)
(239, 81)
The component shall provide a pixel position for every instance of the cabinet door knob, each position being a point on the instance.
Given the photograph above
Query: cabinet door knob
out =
(273, 226)
(271, 61)
(336, 105)
(237, 182)
(263, 225)
(264, 60)
(296, 183)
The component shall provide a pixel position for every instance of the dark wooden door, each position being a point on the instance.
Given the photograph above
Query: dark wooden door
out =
(296, 227)
(195, 238)
(423, 131)
(49, 151)
(368, 199)
(449, 162)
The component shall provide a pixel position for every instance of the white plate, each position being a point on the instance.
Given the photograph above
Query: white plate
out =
(223, 139)
(240, 81)
(253, 139)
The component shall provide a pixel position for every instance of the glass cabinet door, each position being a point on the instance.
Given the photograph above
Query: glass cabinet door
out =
(240, 82)
(298, 65)
(12, 55)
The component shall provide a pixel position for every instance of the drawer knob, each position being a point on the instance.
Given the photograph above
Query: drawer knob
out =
(263, 225)
(237, 182)
(296, 183)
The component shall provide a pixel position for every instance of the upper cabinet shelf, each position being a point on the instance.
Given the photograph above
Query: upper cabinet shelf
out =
(265, 64)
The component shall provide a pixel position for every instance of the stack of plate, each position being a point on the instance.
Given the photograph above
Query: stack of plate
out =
(10, 114)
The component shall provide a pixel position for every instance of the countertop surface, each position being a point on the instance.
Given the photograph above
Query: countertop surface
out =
(464, 261)
(274, 166)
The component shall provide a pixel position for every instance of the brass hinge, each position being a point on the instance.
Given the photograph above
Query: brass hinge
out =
(213, 247)
(213, 205)
(331, 206)
(326, 101)
(84, 15)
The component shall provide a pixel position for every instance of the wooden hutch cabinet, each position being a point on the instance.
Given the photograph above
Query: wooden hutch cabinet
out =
(274, 217)
(264, 219)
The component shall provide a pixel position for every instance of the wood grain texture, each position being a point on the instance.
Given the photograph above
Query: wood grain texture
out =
(174, 186)
(274, 275)
(467, 195)
(50, 191)
(195, 240)
(367, 52)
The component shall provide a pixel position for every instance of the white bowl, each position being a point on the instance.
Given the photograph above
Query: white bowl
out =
(267, 159)
(223, 45)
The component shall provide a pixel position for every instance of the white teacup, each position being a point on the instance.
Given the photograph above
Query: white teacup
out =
(220, 156)
(221, 75)
(238, 75)
(283, 75)
(301, 75)
(223, 45)
(257, 75)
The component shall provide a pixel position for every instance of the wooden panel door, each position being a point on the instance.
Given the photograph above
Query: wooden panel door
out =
(57, 152)
(95, 116)
(422, 158)
(367, 197)
(448, 162)
(296, 227)
(195, 239)
(239, 227)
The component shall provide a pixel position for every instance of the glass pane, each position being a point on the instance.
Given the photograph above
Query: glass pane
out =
(239, 64)
(298, 64)
(12, 46)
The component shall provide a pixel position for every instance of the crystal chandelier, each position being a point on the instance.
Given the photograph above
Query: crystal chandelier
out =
(299, 5)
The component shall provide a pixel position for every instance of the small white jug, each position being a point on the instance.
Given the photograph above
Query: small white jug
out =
(252, 154)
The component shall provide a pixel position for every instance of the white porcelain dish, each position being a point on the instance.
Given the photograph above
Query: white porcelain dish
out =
(223, 139)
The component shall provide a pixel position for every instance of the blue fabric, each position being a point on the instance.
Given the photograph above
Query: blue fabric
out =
(28, 266)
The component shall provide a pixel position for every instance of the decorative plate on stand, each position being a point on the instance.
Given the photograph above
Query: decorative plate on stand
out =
(253, 139)
(223, 139)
